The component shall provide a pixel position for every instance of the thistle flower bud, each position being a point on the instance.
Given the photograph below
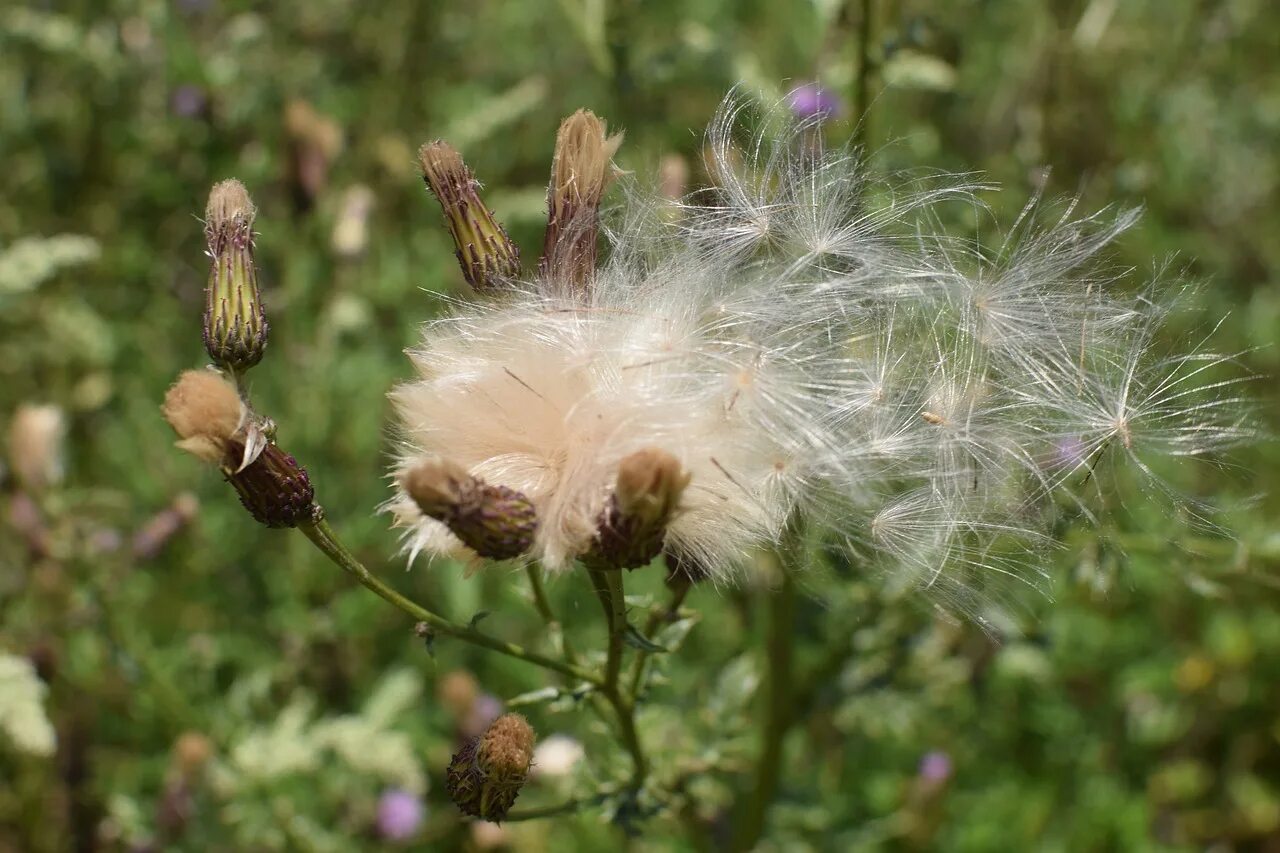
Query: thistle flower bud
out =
(213, 424)
(485, 252)
(235, 327)
(274, 488)
(494, 521)
(633, 526)
(487, 773)
(580, 173)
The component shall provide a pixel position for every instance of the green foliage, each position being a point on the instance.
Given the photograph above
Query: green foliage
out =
(1136, 711)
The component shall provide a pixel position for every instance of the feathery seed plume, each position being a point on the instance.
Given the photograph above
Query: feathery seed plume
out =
(810, 350)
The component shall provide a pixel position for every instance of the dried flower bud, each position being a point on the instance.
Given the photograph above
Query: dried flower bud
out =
(205, 411)
(35, 445)
(315, 140)
(486, 774)
(212, 423)
(633, 526)
(235, 327)
(485, 252)
(457, 691)
(350, 236)
(151, 538)
(580, 173)
(494, 521)
(191, 752)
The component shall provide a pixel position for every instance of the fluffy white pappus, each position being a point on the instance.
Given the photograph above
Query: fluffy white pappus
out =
(806, 341)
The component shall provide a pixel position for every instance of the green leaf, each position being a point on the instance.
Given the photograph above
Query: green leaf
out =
(534, 697)
(636, 640)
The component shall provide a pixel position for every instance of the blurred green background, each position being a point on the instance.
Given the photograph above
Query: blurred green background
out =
(218, 686)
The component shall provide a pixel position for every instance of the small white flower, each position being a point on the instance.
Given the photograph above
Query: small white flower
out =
(556, 756)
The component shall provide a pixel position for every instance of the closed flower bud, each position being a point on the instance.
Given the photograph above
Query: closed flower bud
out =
(275, 489)
(580, 173)
(235, 327)
(487, 773)
(214, 424)
(633, 526)
(485, 252)
(494, 521)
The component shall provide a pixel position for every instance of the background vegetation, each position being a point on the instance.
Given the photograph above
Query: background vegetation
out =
(215, 685)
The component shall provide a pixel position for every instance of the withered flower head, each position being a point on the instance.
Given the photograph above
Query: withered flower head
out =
(235, 327)
(214, 424)
(205, 411)
(36, 436)
(485, 252)
(494, 521)
(580, 173)
(486, 774)
(633, 526)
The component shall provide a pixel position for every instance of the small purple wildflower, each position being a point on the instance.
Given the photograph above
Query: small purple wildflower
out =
(935, 766)
(484, 711)
(812, 101)
(400, 814)
(187, 101)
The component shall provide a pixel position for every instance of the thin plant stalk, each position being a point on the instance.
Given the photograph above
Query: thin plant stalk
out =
(778, 715)
(609, 589)
(323, 537)
(655, 620)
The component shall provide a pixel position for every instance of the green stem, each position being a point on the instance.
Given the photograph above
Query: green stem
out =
(778, 717)
(609, 589)
(617, 617)
(567, 807)
(862, 73)
(322, 536)
(543, 605)
(678, 593)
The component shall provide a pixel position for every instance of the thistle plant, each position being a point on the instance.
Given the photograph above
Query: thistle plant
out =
(795, 357)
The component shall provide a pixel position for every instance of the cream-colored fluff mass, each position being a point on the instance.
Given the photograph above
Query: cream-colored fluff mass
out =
(805, 340)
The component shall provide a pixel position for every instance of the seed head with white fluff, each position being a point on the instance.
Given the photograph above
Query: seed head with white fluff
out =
(806, 344)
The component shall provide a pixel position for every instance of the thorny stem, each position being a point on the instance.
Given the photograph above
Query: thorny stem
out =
(656, 618)
(568, 807)
(322, 536)
(543, 605)
(609, 589)
(778, 710)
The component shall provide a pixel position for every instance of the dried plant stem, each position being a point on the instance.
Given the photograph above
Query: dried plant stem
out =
(322, 536)
(778, 710)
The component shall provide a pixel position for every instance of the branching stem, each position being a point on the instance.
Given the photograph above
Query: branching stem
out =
(323, 537)
(609, 589)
